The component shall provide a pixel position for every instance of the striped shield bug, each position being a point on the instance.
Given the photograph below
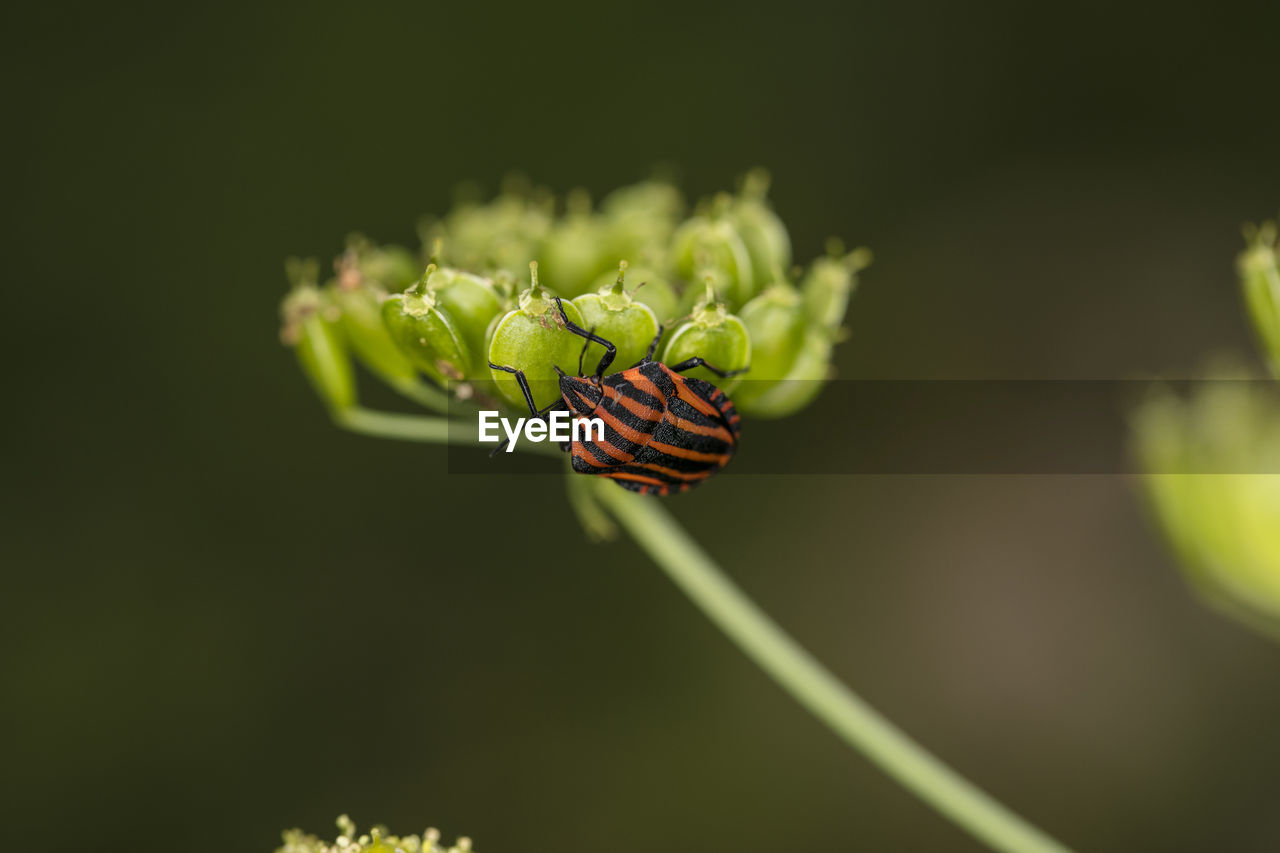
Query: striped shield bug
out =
(663, 432)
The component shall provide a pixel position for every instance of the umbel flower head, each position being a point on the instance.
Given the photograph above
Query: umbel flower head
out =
(482, 290)
(1212, 464)
(377, 840)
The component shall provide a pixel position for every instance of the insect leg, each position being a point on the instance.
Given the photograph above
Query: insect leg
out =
(528, 398)
(524, 386)
(653, 347)
(610, 351)
(690, 363)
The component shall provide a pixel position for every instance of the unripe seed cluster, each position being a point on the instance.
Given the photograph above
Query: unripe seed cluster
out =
(718, 282)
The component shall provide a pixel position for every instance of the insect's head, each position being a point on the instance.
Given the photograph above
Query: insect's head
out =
(581, 393)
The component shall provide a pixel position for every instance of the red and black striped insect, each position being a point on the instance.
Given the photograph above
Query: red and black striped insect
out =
(663, 432)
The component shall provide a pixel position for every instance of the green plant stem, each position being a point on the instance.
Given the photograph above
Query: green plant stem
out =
(423, 428)
(425, 395)
(813, 686)
(760, 638)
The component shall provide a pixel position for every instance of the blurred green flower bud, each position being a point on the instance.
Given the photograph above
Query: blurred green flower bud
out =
(501, 235)
(1211, 463)
(426, 333)
(777, 322)
(829, 283)
(765, 236)
(572, 254)
(695, 292)
(532, 338)
(641, 218)
(648, 287)
(360, 314)
(712, 333)
(311, 327)
(1260, 279)
(801, 385)
(613, 315)
(711, 240)
(384, 268)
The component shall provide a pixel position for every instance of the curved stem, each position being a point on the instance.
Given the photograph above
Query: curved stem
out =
(425, 395)
(812, 685)
(423, 428)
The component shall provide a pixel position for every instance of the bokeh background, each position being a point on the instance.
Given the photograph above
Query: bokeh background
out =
(225, 617)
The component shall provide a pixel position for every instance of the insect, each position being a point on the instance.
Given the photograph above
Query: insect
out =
(663, 432)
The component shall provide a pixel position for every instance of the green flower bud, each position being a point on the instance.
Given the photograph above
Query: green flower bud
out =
(765, 236)
(1260, 278)
(311, 327)
(532, 338)
(711, 240)
(385, 268)
(472, 302)
(500, 235)
(431, 338)
(777, 323)
(695, 293)
(715, 335)
(799, 388)
(829, 283)
(1210, 463)
(641, 218)
(571, 256)
(361, 320)
(651, 288)
(613, 315)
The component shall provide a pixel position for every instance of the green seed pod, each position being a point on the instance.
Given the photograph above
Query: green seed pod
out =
(713, 334)
(428, 335)
(711, 240)
(472, 302)
(829, 283)
(572, 254)
(777, 322)
(361, 320)
(651, 288)
(311, 327)
(641, 218)
(694, 294)
(1259, 268)
(532, 338)
(389, 269)
(501, 235)
(762, 231)
(809, 372)
(613, 315)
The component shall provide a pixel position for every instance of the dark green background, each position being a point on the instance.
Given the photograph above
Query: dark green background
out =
(224, 617)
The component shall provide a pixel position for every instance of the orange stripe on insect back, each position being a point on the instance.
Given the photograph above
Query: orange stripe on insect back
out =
(644, 383)
(635, 478)
(685, 393)
(622, 429)
(580, 450)
(686, 453)
(672, 473)
(635, 407)
(713, 431)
